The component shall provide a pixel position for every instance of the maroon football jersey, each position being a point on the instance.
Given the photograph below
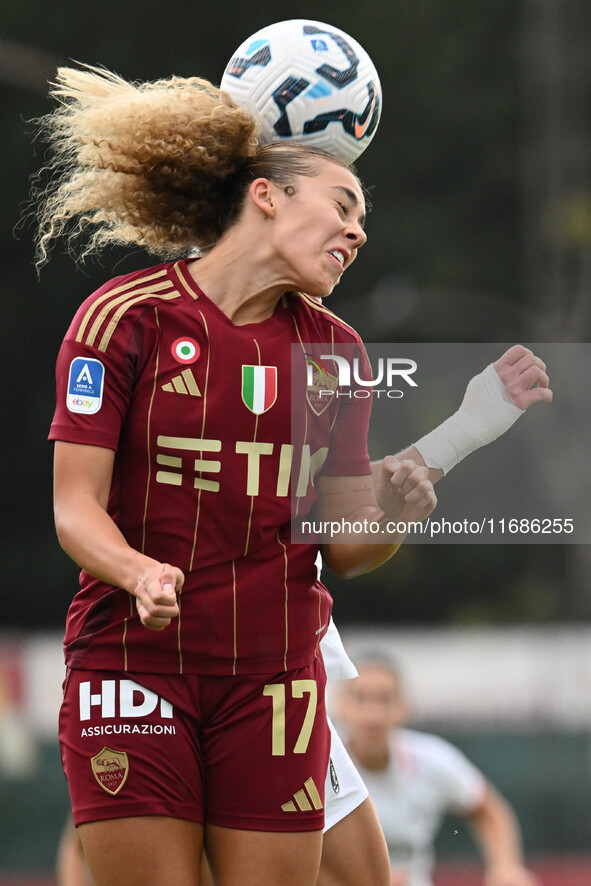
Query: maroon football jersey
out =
(209, 459)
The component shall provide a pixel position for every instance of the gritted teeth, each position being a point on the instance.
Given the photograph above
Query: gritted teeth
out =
(338, 255)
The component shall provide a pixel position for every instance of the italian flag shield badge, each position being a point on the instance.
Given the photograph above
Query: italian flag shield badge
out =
(259, 387)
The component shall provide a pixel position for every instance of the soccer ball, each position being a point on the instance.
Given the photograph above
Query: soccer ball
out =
(309, 82)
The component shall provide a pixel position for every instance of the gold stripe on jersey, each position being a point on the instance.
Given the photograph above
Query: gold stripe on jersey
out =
(249, 516)
(252, 497)
(332, 344)
(124, 638)
(318, 459)
(297, 495)
(235, 618)
(170, 463)
(149, 436)
(112, 326)
(321, 626)
(204, 402)
(319, 306)
(124, 641)
(125, 287)
(286, 600)
(186, 287)
(179, 619)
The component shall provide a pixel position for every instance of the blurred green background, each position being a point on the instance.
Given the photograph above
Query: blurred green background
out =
(481, 231)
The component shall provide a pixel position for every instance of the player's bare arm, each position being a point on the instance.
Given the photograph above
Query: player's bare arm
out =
(82, 480)
(494, 400)
(496, 830)
(404, 495)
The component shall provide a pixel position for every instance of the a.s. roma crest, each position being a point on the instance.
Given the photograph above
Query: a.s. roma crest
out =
(110, 768)
(321, 391)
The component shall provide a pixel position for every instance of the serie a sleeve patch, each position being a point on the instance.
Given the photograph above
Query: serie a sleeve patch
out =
(85, 385)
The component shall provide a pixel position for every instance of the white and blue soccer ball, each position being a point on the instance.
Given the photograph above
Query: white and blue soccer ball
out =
(309, 82)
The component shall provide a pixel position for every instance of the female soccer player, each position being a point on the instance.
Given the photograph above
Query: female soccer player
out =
(194, 697)
(415, 779)
(354, 851)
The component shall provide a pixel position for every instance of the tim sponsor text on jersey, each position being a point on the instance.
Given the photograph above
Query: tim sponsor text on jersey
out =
(258, 454)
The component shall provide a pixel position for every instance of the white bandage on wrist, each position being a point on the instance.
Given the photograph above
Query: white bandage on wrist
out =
(486, 412)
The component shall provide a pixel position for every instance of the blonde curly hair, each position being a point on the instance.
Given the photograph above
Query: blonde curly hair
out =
(163, 165)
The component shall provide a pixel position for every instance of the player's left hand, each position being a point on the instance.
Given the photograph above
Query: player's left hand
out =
(524, 376)
(403, 489)
(510, 875)
(156, 596)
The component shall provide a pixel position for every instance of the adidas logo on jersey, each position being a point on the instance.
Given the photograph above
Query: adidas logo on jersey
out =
(304, 800)
(183, 384)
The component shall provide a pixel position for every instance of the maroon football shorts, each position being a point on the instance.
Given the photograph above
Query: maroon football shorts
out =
(247, 752)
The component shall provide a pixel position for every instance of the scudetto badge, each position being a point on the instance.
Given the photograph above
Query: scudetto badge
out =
(110, 768)
(259, 387)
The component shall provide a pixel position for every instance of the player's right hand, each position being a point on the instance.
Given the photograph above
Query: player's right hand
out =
(403, 489)
(524, 376)
(156, 596)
